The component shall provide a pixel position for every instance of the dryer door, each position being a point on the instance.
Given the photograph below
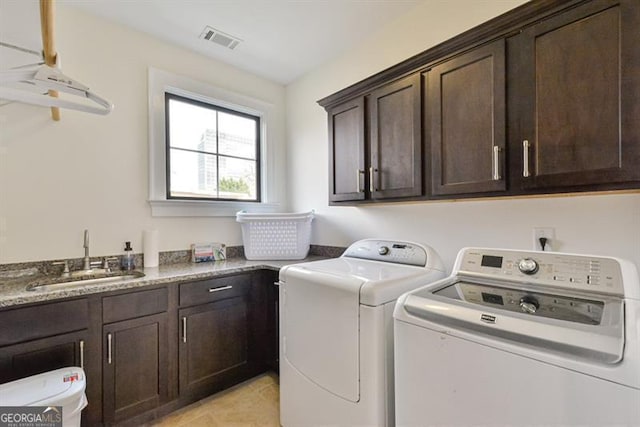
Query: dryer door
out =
(319, 329)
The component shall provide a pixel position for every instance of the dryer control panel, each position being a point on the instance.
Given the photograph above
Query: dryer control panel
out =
(388, 251)
(575, 272)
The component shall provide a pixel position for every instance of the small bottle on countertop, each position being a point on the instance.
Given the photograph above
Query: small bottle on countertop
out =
(127, 262)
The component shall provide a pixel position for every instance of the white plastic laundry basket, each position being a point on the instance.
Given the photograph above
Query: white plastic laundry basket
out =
(275, 236)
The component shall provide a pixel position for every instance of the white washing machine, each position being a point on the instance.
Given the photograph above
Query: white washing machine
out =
(336, 332)
(521, 338)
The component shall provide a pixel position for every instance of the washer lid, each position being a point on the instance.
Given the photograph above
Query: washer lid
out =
(486, 309)
(54, 388)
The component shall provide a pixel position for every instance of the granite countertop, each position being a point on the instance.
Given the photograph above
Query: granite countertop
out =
(13, 290)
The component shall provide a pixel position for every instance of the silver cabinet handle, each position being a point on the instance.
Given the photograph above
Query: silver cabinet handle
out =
(220, 288)
(525, 158)
(109, 339)
(358, 180)
(372, 187)
(496, 163)
(277, 283)
(82, 354)
(184, 329)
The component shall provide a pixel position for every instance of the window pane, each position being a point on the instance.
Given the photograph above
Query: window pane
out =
(237, 178)
(191, 126)
(193, 174)
(237, 135)
(213, 152)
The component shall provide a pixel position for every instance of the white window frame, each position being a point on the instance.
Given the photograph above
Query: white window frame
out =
(163, 81)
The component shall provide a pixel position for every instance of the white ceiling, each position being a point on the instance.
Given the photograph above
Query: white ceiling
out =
(282, 39)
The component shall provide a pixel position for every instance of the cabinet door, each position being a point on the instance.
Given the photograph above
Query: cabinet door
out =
(466, 107)
(42, 355)
(273, 327)
(578, 89)
(134, 366)
(395, 140)
(346, 151)
(214, 347)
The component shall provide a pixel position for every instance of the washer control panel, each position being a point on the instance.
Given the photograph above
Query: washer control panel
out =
(388, 251)
(576, 272)
(580, 310)
(528, 266)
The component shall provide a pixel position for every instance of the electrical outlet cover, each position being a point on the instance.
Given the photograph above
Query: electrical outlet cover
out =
(549, 233)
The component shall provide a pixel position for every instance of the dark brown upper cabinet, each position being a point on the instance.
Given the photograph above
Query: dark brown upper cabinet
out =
(375, 146)
(466, 112)
(542, 99)
(577, 98)
(395, 140)
(347, 151)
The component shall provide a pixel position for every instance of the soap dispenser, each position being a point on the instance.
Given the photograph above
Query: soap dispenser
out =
(127, 263)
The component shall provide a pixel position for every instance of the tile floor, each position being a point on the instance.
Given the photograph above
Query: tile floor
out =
(251, 404)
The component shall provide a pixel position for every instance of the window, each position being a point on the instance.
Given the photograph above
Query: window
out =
(213, 180)
(212, 152)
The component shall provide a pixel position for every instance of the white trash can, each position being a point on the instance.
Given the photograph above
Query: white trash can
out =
(62, 387)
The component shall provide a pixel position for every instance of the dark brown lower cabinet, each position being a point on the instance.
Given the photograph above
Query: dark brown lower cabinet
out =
(126, 342)
(42, 355)
(43, 337)
(214, 346)
(135, 365)
(272, 350)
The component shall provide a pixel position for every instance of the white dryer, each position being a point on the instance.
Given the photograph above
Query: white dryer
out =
(521, 339)
(336, 332)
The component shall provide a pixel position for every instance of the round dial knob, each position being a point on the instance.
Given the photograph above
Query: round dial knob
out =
(529, 304)
(383, 250)
(528, 266)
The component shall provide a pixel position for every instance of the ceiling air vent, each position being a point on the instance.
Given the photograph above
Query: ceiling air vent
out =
(218, 37)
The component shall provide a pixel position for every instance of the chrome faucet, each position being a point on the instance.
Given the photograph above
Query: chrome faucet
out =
(91, 268)
(88, 268)
(86, 262)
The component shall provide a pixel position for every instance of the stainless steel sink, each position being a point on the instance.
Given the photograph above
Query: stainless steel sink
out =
(59, 282)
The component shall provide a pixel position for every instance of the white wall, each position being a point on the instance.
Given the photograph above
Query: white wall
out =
(88, 171)
(57, 178)
(600, 224)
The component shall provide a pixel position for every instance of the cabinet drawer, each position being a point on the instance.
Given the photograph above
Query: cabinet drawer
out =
(214, 289)
(46, 320)
(134, 304)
